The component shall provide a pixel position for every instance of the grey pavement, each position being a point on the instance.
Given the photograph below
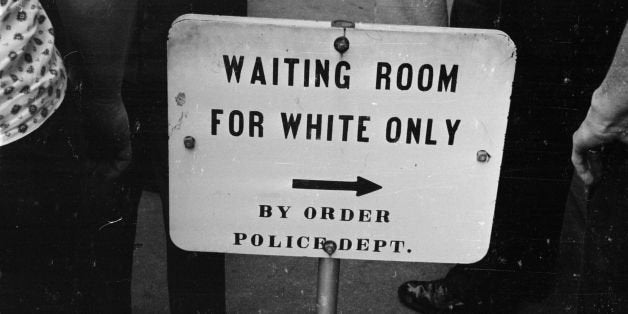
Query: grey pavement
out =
(149, 288)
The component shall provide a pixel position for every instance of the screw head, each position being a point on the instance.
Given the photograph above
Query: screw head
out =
(483, 156)
(189, 142)
(330, 247)
(341, 44)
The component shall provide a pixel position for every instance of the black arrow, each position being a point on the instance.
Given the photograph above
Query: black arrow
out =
(361, 186)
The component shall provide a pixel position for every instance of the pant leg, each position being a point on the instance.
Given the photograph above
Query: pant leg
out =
(40, 197)
(105, 243)
(604, 284)
(592, 266)
(196, 280)
(534, 176)
(565, 297)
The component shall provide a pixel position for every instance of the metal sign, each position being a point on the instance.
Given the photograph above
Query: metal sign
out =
(279, 142)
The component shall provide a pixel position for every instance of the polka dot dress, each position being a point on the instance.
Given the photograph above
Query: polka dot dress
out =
(32, 77)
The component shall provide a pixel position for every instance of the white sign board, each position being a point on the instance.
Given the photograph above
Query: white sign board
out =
(291, 143)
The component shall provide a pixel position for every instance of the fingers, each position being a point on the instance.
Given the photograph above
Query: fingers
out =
(585, 155)
(122, 161)
(578, 158)
(108, 137)
(111, 168)
(582, 169)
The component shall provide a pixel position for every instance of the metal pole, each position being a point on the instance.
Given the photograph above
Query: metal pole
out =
(328, 274)
(329, 267)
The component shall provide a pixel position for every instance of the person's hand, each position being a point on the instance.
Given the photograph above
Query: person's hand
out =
(101, 30)
(605, 123)
(108, 136)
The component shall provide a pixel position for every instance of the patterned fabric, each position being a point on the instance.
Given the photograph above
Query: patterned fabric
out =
(32, 76)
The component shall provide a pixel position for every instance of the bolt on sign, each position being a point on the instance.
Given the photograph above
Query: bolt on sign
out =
(279, 142)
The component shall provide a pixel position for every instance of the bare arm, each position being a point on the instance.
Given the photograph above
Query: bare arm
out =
(101, 30)
(607, 118)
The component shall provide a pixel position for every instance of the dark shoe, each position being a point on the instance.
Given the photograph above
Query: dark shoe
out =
(430, 297)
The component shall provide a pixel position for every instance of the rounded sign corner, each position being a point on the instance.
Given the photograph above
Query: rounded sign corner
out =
(180, 243)
(510, 45)
(182, 18)
(477, 256)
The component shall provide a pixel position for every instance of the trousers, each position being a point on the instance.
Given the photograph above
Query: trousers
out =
(39, 215)
(593, 257)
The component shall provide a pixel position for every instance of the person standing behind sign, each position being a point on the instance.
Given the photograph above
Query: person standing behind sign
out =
(100, 31)
(38, 172)
(40, 146)
(596, 213)
(562, 51)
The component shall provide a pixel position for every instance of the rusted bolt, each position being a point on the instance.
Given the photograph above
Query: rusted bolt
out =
(330, 247)
(341, 44)
(189, 142)
(483, 156)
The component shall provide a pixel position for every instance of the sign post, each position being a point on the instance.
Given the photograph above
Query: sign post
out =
(328, 277)
(285, 135)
